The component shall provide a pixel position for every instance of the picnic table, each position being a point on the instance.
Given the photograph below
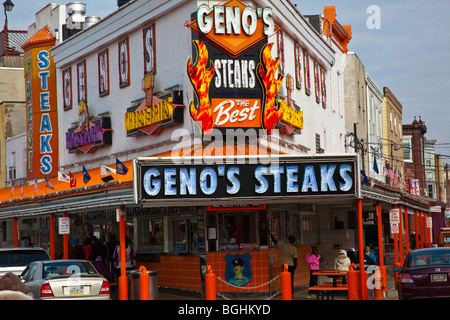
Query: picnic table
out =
(330, 289)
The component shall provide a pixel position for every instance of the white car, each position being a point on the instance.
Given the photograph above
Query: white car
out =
(15, 260)
(65, 279)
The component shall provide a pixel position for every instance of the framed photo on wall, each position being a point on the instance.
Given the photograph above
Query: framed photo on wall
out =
(82, 82)
(67, 88)
(298, 66)
(124, 63)
(149, 49)
(103, 73)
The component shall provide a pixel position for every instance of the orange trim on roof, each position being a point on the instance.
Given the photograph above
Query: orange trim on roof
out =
(341, 34)
(42, 37)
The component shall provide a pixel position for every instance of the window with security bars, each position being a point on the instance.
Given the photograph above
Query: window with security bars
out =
(309, 229)
(319, 150)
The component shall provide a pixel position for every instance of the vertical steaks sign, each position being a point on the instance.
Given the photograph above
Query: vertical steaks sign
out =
(41, 104)
(161, 181)
(233, 74)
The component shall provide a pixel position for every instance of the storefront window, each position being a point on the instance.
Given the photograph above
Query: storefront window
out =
(294, 225)
(237, 231)
(185, 236)
(150, 235)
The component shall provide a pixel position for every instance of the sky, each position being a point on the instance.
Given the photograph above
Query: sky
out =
(403, 44)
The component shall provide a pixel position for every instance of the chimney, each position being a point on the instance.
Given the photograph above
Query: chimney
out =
(121, 3)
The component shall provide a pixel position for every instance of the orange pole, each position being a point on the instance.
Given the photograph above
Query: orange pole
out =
(421, 229)
(427, 216)
(362, 273)
(144, 284)
(66, 241)
(352, 282)
(400, 235)
(424, 223)
(416, 228)
(210, 284)
(52, 236)
(286, 288)
(407, 230)
(15, 233)
(380, 246)
(123, 280)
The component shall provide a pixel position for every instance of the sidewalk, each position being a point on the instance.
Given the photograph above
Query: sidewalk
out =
(301, 293)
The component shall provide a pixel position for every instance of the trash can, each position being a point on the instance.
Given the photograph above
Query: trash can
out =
(153, 285)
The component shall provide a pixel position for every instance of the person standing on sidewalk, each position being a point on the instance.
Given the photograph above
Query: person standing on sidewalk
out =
(288, 256)
(313, 259)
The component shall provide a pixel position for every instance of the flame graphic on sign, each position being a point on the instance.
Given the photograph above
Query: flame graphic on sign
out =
(271, 86)
(200, 78)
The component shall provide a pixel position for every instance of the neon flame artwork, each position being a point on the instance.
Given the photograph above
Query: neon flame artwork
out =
(200, 77)
(271, 85)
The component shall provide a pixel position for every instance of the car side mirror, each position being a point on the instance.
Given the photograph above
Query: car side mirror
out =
(397, 269)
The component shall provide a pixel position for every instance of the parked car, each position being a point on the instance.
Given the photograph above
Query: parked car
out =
(444, 237)
(65, 279)
(15, 260)
(425, 274)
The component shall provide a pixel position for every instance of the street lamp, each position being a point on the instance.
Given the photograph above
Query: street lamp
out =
(8, 5)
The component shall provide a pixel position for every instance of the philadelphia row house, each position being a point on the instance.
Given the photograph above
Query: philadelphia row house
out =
(198, 129)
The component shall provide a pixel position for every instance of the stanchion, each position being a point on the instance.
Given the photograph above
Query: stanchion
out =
(144, 284)
(384, 277)
(286, 288)
(396, 264)
(378, 282)
(352, 282)
(210, 284)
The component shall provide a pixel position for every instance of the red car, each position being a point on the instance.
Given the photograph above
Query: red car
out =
(425, 274)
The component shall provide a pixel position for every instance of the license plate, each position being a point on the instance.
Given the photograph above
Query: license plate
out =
(76, 290)
(438, 277)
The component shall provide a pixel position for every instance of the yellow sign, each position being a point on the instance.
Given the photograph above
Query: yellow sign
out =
(160, 112)
(291, 116)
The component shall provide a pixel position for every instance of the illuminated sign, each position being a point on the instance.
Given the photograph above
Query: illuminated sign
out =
(41, 106)
(233, 74)
(288, 177)
(153, 114)
(90, 134)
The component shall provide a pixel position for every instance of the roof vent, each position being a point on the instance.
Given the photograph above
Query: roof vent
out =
(89, 21)
(76, 12)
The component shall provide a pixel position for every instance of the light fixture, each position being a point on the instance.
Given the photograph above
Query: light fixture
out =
(107, 178)
(8, 5)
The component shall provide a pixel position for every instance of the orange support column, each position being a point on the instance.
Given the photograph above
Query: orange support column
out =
(400, 235)
(15, 233)
(363, 289)
(66, 241)
(407, 230)
(380, 246)
(123, 280)
(416, 228)
(52, 236)
(421, 229)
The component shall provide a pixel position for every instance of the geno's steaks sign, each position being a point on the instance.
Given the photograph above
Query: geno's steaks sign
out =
(162, 180)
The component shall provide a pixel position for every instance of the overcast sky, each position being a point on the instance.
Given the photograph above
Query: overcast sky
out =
(405, 47)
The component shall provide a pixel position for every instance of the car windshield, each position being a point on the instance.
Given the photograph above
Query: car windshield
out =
(13, 258)
(67, 268)
(429, 258)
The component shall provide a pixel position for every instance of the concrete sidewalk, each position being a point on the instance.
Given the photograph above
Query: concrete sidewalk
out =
(300, 293)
